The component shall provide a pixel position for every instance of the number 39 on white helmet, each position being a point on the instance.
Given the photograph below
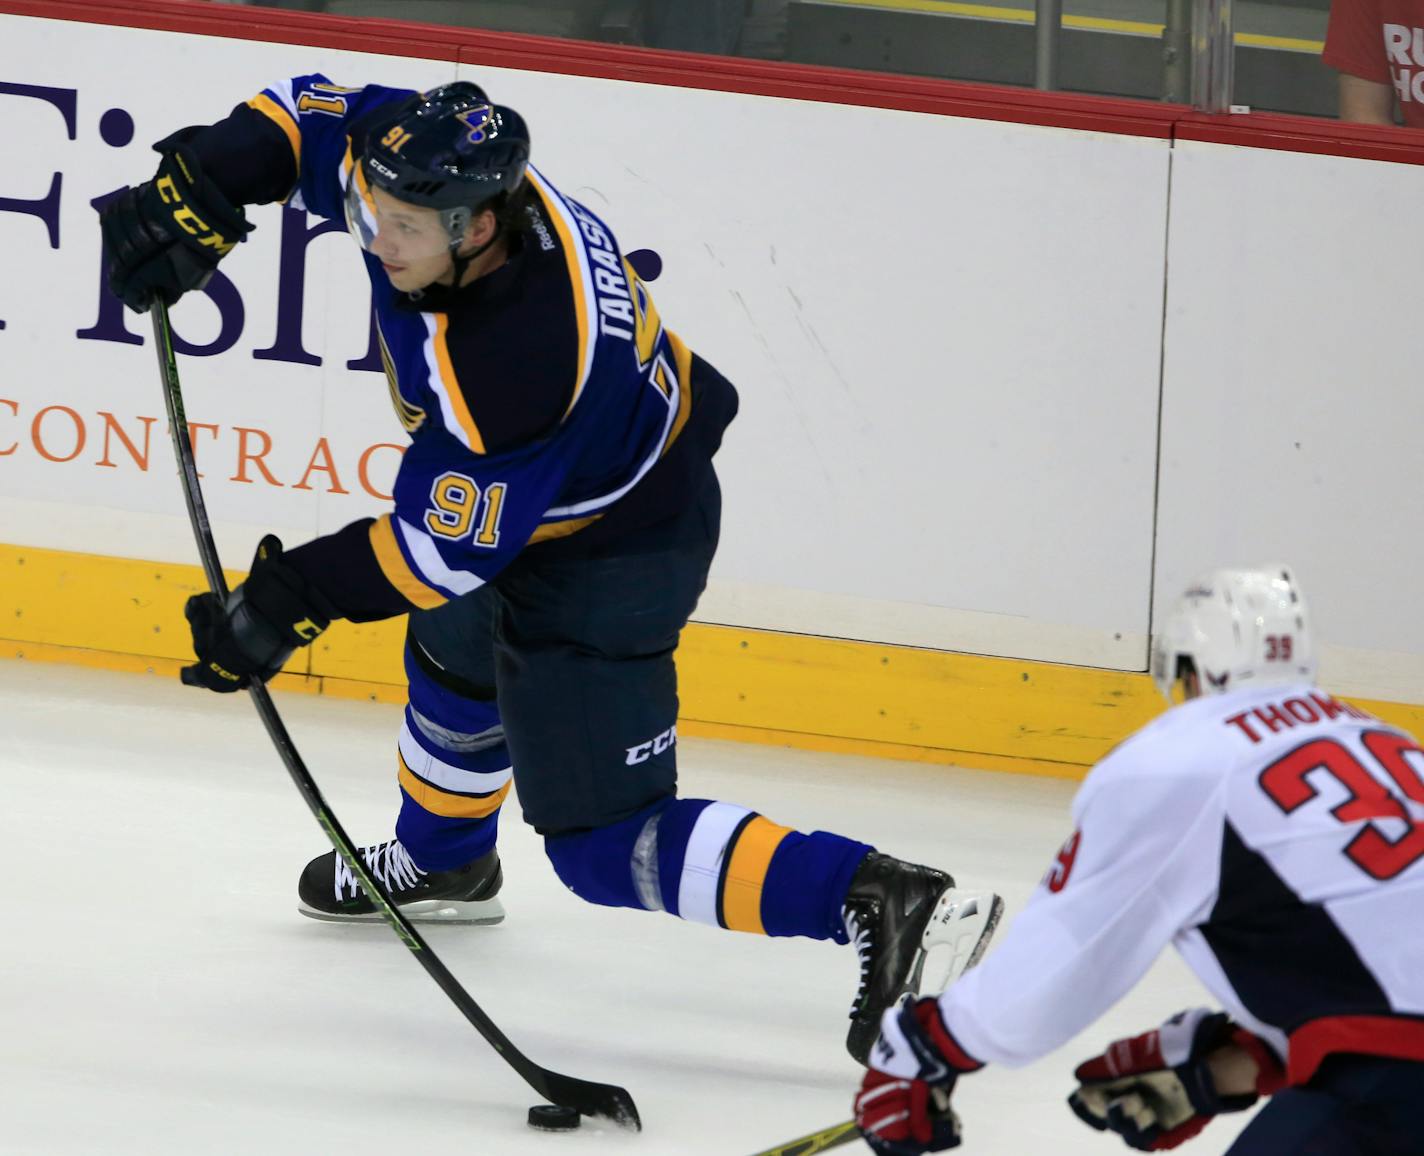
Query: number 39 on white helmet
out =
(1235, 629)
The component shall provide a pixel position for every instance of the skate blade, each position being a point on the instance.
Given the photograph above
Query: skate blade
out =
(956, 937)
(477, 913)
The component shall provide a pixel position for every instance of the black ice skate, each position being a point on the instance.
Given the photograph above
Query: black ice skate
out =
(468, 894)
(901, 916)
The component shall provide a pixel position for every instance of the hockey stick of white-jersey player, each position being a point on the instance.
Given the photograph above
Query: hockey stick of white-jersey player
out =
(589, 1099)
(953, 943)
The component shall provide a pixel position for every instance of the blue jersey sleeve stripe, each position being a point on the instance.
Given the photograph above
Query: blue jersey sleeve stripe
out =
(682, 367)
(420, 550)
(284, 93)
(279, 114)
(397, 568)
(589, 505)
(446, 386)
(562, 529)
(677, 388)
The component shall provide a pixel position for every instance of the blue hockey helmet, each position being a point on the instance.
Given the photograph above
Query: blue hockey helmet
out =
(450, 149)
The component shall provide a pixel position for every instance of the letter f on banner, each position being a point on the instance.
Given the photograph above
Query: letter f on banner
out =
(46, 208)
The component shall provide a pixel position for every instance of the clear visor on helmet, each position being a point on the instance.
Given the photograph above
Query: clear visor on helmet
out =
(393, 230)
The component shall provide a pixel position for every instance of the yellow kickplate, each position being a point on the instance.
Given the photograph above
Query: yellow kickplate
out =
(821, 694)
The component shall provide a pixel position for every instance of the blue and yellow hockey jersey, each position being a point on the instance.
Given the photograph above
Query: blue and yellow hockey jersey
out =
(545, 401)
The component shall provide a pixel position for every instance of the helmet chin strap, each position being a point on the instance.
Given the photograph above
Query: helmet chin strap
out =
(458, 265)
(461, 264)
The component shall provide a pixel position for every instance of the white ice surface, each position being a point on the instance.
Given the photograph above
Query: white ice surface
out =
(159, 992)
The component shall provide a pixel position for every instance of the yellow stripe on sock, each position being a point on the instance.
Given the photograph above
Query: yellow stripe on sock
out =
(746, 875)
(445, 804)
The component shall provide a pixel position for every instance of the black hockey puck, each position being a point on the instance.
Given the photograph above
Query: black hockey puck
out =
(553, 1118)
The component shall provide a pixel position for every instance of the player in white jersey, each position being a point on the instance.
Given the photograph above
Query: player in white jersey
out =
(1275, 836)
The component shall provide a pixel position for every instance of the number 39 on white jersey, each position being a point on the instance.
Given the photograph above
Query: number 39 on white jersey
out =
(1276, 837)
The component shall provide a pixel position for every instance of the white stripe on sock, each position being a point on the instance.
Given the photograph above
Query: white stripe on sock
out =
(702, 865)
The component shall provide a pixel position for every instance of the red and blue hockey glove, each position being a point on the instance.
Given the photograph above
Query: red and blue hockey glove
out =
(1156, 1090)
(903, 1106)
(255, 631)
(167, 235)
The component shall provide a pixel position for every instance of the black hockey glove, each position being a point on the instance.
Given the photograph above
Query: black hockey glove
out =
(1156, 1090)
(167, 235)
(255, 631)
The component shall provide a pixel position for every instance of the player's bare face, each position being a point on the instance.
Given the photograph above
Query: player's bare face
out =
(410, 242)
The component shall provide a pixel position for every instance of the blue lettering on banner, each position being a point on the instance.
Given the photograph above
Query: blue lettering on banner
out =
(46, 208)
(298, 230)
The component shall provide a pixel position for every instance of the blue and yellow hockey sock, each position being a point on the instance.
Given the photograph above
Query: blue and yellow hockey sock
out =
(714, 863)
(454, 774)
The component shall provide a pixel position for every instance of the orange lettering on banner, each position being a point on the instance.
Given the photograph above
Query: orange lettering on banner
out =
(363, 465)
(254, 446)
(326, 466)
(193, 440)
(111, 425)
(79, 434)
(14, 409)
(244, 455)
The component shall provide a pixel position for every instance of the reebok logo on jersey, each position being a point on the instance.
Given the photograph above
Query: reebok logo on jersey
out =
(541, 229)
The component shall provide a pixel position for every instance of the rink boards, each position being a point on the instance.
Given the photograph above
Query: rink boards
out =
(1013, 368)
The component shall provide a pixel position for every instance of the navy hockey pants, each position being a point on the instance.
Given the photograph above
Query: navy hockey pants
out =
(1355, 1106)
(565, 670)
(578, 653)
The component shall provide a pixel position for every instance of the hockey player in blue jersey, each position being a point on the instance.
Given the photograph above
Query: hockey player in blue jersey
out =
(554, 520)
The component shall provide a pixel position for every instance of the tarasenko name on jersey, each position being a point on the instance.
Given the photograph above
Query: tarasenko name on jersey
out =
(464, 508)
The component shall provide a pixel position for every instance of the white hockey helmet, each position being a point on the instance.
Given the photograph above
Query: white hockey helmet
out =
(1233, 629)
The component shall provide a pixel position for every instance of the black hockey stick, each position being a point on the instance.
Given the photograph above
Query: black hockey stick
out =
(822, 1141)
(589, 1099)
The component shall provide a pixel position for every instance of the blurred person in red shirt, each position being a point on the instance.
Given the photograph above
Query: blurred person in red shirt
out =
(1378, 48)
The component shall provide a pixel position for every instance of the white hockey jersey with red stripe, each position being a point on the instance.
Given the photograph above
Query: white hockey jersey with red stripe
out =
(1275, 836)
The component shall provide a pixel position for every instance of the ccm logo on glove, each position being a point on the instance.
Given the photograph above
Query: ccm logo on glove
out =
(184, 216)
(253, 632)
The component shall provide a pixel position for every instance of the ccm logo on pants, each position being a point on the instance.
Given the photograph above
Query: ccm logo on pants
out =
(644, 751)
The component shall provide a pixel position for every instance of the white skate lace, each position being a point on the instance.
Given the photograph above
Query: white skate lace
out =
(388, 862)
(861, 938)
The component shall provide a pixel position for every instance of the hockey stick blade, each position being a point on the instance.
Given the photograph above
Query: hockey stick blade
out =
(822, 1141)
(601, 1101)
(604, 1101)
